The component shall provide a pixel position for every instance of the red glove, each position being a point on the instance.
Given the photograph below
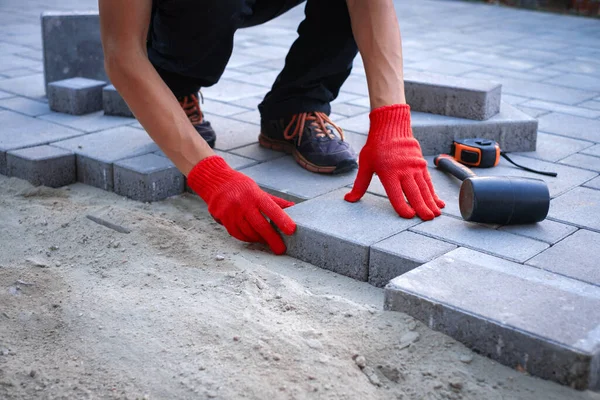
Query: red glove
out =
(394, 154)
(237, 202)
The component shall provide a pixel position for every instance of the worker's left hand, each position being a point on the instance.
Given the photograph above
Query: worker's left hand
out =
(395, 156)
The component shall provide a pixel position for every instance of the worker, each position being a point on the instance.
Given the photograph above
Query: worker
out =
(159, 54)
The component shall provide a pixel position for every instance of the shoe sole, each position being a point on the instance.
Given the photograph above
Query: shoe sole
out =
(289, 148)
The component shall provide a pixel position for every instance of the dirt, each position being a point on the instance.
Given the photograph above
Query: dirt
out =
(176, 309)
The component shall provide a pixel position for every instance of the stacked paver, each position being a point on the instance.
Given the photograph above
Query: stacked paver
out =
(523, 295)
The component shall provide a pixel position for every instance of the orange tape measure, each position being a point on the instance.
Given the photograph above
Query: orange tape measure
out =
(484, 153)
(476, 152)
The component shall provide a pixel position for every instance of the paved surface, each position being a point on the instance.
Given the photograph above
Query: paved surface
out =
(548, 66)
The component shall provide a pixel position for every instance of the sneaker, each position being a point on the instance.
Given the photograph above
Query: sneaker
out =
(311, 139)
(191, 106)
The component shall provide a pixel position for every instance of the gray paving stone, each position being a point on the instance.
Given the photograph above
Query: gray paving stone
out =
(348, 110)
(336, 235)
(250, 102)
(481, 238)
(230, 90)
(232, 134)
(19, 131)
(562, 108)
(577, 81)
(251, 117)
(539, 55)
(401, 253)
(5, 95)
(572, 257)
(147, 178)
(72, 46)
(533, 112)
(87, 123)
(579, 207)
(577, 66)
(42, 165)
(582, 161)
(452, 96)
(442, 66)
(31, 86)
(96, 153)
(25, 106)
(356, 85)
(508, 312)
(571, 126)
(13, 61)
(514, 130)
(256, 152)
(283, 177)
(18, 72)
(222, 109)
(547, 231)
(545, 91)
(265, 78)
(592, 151)
(553, 147)
(113, 103)
(493, 60)
(514, 100)
(594, 183)
(591, 104)
(76, 96)
(500, 74)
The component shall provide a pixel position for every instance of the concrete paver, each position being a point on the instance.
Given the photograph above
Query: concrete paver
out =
(508, 312)
(19, 131)
(147, 178)
(31, 86)
(113, 103)
(25, 106)
(75, 96)
(554, 147)
(96, 153)
(285, 178)
(571, 126)
(582, 161)
(340, 237)
(401, 253)
(547, 231)
(562, 108)
(42, 165)
(452, 96)
(579, 207)
(93, 122)
(594, 183)
(592, 151)
(571, 257)
(258, 153)
(62, 32)
(481, 238)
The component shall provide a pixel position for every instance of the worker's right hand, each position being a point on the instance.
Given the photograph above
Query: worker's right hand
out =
(236, 201)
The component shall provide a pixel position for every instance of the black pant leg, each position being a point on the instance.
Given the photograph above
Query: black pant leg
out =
(318, 63)
(190, 41)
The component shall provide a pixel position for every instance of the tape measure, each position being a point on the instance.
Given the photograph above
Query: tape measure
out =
(477, 152)
(483, 153)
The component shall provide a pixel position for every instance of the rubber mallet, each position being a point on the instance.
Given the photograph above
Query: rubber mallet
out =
(497, 200)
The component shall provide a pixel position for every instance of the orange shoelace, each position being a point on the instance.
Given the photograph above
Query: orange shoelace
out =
(318, 120)
(191, 106)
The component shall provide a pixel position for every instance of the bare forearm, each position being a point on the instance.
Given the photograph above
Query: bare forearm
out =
(124, 28)
(377, 34)
(158, 111)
